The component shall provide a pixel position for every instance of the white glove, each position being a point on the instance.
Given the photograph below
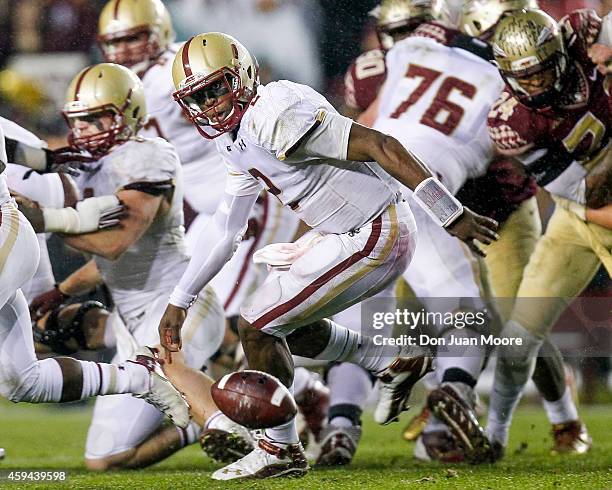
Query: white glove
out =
(95, 213)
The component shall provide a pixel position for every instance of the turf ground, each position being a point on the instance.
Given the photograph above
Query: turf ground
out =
(53, 438)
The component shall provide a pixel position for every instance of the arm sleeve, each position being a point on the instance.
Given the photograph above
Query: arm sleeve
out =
(215, 246)
(240, 184)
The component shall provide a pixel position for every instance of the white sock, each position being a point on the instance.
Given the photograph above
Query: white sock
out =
(349, 385)
(514, 367)
(347, 345)
(563, 410)
(214, 420)
(286, 433)
(110, 379)
(190, 434)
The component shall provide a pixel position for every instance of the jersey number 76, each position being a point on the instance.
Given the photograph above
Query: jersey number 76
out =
(442, 115)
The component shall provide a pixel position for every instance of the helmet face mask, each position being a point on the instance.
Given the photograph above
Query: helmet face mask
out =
(107, 120)
(134, 33)
(135, 48)
(105, 107)
(216, 78)
(530, 53)
(223, 90)
(539, 86)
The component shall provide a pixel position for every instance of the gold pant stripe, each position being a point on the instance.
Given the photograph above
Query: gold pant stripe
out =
(10, 221)
(340, 288)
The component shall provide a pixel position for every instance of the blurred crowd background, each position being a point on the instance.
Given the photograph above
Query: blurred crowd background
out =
(44, 43)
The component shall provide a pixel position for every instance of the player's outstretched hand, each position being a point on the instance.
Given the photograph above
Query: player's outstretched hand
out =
(471, 226)
(68, 160)
(170, 330)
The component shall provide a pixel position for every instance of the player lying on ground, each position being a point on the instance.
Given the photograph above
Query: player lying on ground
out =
(289, 139)
(23, 378)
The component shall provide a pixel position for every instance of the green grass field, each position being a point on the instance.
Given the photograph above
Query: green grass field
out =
(53, 438)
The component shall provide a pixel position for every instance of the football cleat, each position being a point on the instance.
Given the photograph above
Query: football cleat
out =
(2, 453)
(396, 382)
(313, 403)
(438, 445)
(268, 460)
(456, 410)
(571, 438)
(227, 442)
(161, 393)
(415, 426)
(338, 445)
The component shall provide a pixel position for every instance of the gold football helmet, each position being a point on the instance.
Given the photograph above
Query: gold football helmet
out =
(530, 52)
(215, 79)
(133, 33)
(106, 97)
(479, 17)
(400, 17)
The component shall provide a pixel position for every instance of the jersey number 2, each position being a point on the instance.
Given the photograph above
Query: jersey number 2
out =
(441, 104)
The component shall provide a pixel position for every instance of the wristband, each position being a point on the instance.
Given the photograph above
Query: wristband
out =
(62, 220)
(437, 201)
(181, 299)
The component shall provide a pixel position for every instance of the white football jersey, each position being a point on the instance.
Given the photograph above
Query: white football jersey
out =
(435, 100)
(166, 120)
(314, 179)
(153, 265)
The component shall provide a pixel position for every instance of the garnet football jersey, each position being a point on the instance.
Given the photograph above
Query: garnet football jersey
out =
(554, 141)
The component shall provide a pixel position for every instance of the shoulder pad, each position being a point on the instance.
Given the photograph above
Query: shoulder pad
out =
(280, 115)
(144, 160)
(364, 78)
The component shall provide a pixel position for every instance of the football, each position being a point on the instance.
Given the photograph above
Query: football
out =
(254, 399)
